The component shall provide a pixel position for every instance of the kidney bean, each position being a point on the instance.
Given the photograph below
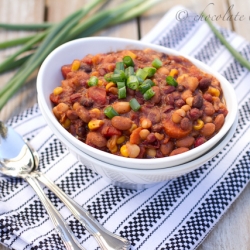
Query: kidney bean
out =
(180, 88)
(186, 142)
(208, 108)
(179, 151)
(75, 97)
(199, 141)
(96, 139)
(151, 138)
(157, 96)
(186, 124)
(121, 123)
(194, 114)
(167, 148)
(197, 101)
(169, 99)
(204, 83)
(208, 129)
(167, 108)
(168, 89)
(208, 97)
(218, 122)
(179, 103)
(156, 128)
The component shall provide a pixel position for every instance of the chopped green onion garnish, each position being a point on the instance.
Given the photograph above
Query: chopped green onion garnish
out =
(171, 81)
(129, 71)
(132, 82)
(134, 104)
(147, 84)
(122, 93)
(120, 66)
(108, 77)
(120, 85)
(118, 77)
(93, 81)
(150, 70)
(157, 63)
(128, 61)
(148, 94)
(141, 75)
(110, 112)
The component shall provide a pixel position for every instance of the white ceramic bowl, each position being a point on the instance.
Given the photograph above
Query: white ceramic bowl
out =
(141, 178)
(49, 77)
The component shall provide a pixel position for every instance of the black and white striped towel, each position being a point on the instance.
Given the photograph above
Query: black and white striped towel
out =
(175, 215)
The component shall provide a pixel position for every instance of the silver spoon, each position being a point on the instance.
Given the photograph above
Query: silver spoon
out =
(16, 160)
(106, 239)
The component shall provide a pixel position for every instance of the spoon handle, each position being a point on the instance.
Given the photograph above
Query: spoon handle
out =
(106, 239)
(59, 223)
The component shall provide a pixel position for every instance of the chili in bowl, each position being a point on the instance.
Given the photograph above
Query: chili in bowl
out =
(133, 104)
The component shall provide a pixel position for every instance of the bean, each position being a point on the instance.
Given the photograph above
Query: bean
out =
(121, 107)
(167, 148)
(159, 136)
(71, 114)
(194, 114)
(96, 139)
(218, 122)
(145, 123)
(198, 101)
(121, 123)
(204, 83)
(186, 124)
(199, 141)
(151, 152)
(178, 151)
(186, 142)
(133, 150)
(186, 107)
(209, 108)
(208, 129)
(189, 101)
(60, 109)
(82, 112)
(178, 115)
(144, 133)
(179, 103)
(187, 93)
(157, 96)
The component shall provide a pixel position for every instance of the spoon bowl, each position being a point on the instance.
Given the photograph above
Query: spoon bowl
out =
(18, 159)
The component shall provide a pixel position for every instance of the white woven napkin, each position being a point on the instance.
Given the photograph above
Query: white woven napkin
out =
(177, 214)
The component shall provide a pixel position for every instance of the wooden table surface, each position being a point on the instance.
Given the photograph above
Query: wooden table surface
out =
(233, 230)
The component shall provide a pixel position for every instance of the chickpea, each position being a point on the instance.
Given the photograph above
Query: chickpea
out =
(145, 123)
(144, 133)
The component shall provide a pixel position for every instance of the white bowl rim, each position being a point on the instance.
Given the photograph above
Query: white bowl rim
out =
(108, 157)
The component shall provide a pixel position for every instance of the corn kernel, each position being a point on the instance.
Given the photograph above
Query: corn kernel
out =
(109, 85)
(94, 124)
(199, 125)
(131, 54)
(124, 151)
(75, 65)
(213, 91)
(113, 149)
(120, 139)
(58, 90)
(173, 72)
(66, 123)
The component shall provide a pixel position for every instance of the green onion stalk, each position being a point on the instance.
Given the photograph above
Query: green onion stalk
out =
(56, 34)
(230, 48)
